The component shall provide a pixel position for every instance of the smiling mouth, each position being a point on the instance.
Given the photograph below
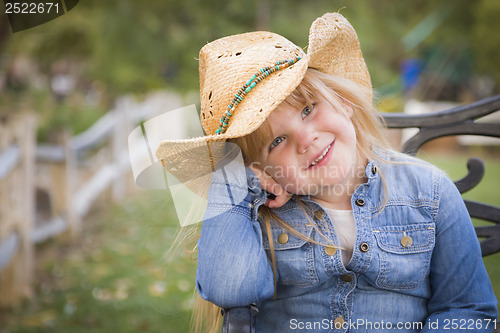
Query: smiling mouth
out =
(320, 158)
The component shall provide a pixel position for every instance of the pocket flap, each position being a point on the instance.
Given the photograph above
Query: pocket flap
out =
(412, 238)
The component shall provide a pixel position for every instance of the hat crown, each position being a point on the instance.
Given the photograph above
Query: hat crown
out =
(228, 63)
(332, 31)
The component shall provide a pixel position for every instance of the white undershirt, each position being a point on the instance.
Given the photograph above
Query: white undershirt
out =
(345, 228)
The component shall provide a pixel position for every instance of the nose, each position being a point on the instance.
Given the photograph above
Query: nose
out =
(305, 139)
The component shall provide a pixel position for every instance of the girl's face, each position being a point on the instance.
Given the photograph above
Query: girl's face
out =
(313, 150)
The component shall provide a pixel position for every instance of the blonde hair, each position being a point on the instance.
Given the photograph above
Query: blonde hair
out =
(370, 135)
(369, 127)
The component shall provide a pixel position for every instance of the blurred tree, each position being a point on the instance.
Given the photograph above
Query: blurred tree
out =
(132, 46)
(4, 31)
(135, 46)
(485, 39)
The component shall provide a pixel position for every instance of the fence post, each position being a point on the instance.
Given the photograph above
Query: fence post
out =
(63, 176)
(17, 210)
(121, 130)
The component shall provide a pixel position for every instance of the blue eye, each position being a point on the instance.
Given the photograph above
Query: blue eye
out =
(276, 142)
(306, 111)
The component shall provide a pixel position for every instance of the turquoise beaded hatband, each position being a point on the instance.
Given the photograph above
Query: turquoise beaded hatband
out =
(247, 87)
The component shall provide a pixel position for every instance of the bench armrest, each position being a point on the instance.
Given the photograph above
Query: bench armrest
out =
(240, 319)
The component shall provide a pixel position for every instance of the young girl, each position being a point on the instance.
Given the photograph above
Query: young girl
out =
(335, 232)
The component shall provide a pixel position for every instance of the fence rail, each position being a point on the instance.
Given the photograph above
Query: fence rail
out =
(8, 160)
(72, 174)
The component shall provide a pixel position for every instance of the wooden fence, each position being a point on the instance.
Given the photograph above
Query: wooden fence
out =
(17, 155)
(47, 189)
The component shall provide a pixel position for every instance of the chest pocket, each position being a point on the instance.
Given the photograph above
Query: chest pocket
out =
(405, 254)
(294, 257)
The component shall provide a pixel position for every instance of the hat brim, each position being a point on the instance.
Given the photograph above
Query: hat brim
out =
(202, 154)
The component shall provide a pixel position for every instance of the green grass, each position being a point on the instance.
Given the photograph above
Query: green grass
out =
(116, 276)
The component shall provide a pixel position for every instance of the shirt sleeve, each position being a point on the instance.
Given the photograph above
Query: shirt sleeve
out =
(462, 295)
(233, 268)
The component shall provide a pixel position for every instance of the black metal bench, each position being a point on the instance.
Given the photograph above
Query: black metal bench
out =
(456, 121)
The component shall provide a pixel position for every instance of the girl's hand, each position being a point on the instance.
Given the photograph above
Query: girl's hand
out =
(277, 195)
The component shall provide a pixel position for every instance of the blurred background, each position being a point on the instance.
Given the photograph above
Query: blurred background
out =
(81, 247)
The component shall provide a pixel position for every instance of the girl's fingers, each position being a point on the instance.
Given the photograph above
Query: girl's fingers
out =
(278, 196)
(279, 200)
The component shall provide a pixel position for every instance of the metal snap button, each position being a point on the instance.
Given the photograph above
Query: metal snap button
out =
(318, 215)
(406, 241)
(283, 238)
(339, 322)
(360, 202)
(364, 247)
(374, 169)
(330, 250)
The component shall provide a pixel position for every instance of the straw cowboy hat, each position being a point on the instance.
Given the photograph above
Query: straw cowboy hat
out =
(244, 77)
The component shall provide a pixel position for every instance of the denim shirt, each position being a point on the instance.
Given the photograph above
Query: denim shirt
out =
(416, 265)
